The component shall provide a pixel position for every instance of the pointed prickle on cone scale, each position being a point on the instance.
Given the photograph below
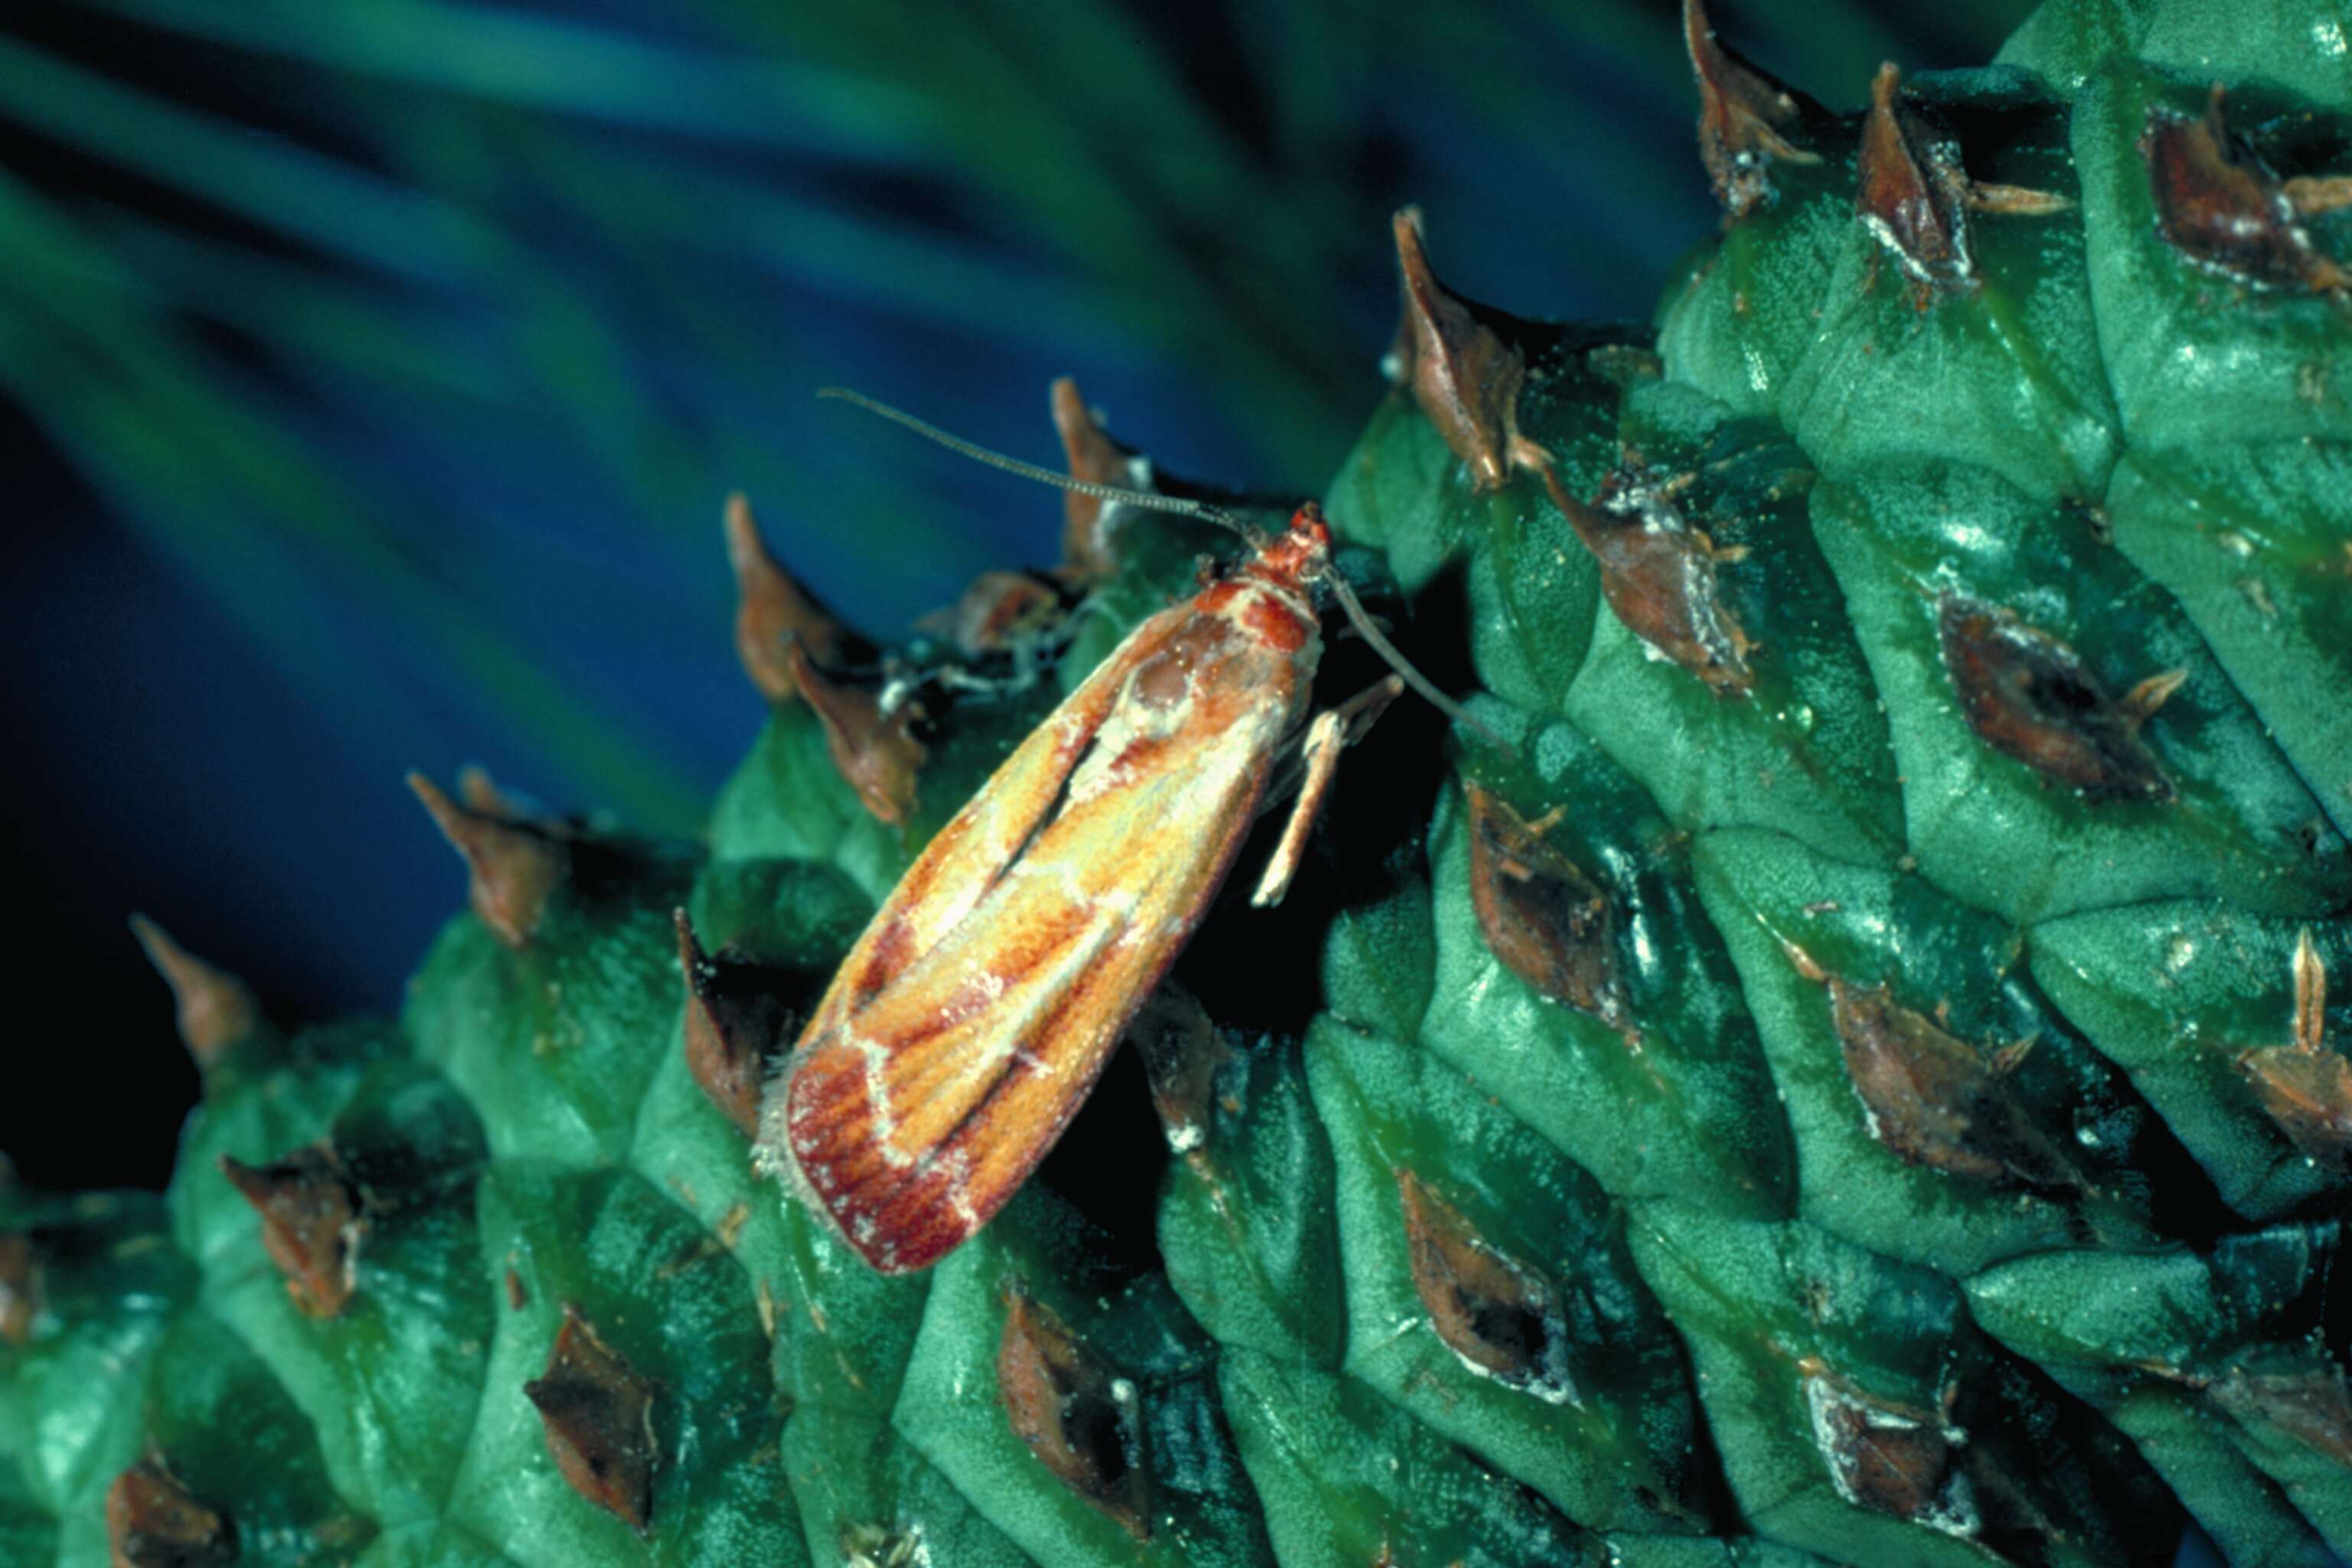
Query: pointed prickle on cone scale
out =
(736, 1026)
(1075, 1413)
(773, 613)
(597, 1415)
(20, 1287)
(2305, 1087)
(511, 867)
(1742, 115)
(1911, 193)
(2222, 209)
(1466, 378)
(1914, 196)
(875, 752)
(311, 1225)
(1088, 523)
(215, 1009)
(155, 1521)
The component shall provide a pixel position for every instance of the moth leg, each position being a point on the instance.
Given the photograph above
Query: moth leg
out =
(1364, 708)
(1181, 1051)
(1359, 710)
(1331, 732)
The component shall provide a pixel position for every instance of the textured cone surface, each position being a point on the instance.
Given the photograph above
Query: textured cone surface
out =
(1853, 1077)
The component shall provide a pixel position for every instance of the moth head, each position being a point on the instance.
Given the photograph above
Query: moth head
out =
(1301, 551)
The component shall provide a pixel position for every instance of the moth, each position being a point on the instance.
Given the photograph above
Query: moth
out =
(973, 1015)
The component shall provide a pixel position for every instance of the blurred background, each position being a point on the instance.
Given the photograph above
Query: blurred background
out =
(371, 373)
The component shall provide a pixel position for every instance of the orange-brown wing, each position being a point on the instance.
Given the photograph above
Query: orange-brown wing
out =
(920, 1108)
(966, 856)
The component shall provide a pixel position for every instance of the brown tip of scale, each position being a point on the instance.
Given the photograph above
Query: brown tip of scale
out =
(214, 1007)
(1466, 378)
(1741, 113)
(1934, 1100)
(311, 1225)
(1082, 1421)
(875, 752)
(512, 868)
(2027, 694)
(1543, 918)
(155, 1521)
(482, 794)
(2223, 209)
(1496, 1312)
(2305, 1088)
(1093, 457)
(1912, 204)
(1897, 1459)
(598, 1415)
(772, 611)
(20, 1287)
(732, 1032)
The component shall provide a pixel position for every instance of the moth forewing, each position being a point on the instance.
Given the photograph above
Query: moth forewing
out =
(975, 1013)
(966, 857)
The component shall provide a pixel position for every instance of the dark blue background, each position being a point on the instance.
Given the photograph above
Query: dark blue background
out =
(370, 375)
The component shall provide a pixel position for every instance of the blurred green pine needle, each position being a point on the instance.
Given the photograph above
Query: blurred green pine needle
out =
(359, 313)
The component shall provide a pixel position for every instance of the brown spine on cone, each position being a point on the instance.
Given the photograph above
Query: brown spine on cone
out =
(481, 794)
(1893, 1459)
(1496, 1314)
(2221, 208)
(1181, 1051)
(215, 1009)
(511, 867)
(1087, 556)
(1076, 1417)
(1741, 114)
(2305, 1087)
(1936, 1100)
(598, 1414)
(20, 1287)
(2309, 1096)
(1912, 194)
(1466, 378)
(876, 753)
(734, 1031)
(311, 1225)
(153, 1521)
(2028, 695)
(2306, 1401)
(1543, 918)
(773, 614)
(1658, 573)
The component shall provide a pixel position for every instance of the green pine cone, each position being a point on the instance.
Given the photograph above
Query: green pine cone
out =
(1836, 1064)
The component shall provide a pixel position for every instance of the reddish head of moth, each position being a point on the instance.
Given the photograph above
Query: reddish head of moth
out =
(974, 1015)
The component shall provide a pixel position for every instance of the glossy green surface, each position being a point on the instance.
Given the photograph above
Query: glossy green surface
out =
(1776, 1333)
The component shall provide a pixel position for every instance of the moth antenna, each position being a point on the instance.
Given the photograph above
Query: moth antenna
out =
(1181, 505)
(1403, 666)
